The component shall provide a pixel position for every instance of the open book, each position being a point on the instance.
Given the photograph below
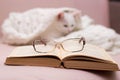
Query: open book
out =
(91, 57)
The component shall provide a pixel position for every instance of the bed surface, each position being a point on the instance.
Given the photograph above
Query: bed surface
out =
(49, 73)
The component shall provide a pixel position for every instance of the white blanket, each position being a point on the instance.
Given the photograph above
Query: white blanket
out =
(21, 28)
(97, 34)
(94, 33)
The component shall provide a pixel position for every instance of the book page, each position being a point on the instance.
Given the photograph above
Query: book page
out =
(26, 51)
(90, 51)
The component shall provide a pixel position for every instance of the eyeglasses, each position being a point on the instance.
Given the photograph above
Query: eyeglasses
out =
(70, 45)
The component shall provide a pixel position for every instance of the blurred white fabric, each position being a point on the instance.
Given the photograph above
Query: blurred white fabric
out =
(97, 34)
(21, 28)
(94, 33)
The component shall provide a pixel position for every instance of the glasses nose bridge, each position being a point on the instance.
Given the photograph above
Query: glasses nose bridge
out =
(58, 45)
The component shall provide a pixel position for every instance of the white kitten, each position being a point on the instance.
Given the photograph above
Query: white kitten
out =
(65, 23)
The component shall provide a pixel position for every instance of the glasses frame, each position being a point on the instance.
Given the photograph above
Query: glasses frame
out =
(59, 44)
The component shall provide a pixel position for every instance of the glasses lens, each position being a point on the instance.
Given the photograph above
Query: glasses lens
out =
(72, 45)
(42, 47)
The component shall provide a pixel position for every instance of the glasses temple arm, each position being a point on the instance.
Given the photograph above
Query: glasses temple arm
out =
(82, 39)
(84, 42)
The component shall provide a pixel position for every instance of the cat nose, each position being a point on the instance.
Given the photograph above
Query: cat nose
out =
(69, 30)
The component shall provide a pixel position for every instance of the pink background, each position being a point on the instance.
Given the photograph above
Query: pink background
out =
(98, 10)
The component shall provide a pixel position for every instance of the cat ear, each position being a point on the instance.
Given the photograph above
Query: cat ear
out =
(77, 15)
(60, 16)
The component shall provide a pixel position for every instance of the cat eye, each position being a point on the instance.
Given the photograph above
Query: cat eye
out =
(72, 25)
(68, 45)
(65, 25)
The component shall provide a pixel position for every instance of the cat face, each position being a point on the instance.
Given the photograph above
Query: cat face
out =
(67, 22)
